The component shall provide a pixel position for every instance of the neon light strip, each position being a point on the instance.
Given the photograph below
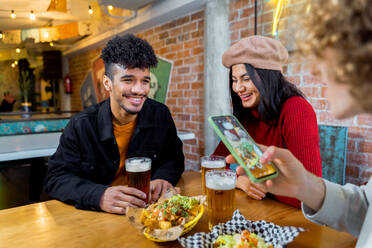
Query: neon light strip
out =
(276, 18)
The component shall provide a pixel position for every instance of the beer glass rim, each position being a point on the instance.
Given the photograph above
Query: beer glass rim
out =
(222, 173)
(144, 165)
(212, 158)
(228, 173)
(144, 159)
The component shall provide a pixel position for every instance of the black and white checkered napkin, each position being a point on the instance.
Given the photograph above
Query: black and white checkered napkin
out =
(278, 236)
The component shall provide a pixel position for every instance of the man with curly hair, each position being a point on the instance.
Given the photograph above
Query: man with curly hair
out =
(88, 169)
(338, 34)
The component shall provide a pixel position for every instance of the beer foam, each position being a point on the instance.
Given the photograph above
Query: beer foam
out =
(138, 166)
(220, 183)
(213, 164)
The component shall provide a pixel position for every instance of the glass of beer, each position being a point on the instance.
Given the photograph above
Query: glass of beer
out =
(211, 163)
(139, 174)
(220, 195)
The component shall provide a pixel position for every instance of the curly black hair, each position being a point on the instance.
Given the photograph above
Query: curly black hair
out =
(128, 51)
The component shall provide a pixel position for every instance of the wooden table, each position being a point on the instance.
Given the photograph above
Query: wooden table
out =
(54, 224)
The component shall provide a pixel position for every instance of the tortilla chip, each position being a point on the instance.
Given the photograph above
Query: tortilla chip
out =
(170, 234)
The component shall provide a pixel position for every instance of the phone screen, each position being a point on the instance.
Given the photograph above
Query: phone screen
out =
(244, 146)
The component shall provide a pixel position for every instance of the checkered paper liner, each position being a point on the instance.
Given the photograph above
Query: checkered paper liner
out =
(278, 236)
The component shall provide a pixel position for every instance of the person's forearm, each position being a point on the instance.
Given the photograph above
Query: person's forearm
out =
(312, 192)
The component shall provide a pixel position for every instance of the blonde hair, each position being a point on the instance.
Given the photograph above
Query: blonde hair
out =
(346, 27)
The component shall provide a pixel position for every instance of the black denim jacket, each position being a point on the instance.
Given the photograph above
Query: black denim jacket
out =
(87, 157)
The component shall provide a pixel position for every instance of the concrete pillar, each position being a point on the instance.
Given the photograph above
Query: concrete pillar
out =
(216, 76)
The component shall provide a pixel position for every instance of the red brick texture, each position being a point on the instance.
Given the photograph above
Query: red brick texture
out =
(181, 41)
(79, 66)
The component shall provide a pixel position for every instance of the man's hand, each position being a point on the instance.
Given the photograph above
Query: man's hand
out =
(158, 187)
(245, 184)
(116, 199)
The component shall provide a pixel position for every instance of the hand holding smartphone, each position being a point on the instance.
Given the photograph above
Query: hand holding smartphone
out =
(242, 147)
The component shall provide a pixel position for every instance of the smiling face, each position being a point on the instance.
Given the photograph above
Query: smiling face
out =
(244, 87)
(128, 91)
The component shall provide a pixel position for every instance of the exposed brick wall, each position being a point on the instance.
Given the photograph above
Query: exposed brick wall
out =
(79, 65)
(180, 41)
(359, 155)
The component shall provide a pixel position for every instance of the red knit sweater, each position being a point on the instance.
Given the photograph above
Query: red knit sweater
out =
(296, 130)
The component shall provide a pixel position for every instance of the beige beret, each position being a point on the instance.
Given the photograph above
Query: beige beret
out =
(259, 51)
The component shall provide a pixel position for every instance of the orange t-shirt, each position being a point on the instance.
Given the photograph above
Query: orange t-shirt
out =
(122, 134)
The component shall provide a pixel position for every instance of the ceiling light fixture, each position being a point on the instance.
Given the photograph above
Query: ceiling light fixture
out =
(18, 50)
(1, 35)
(90, 10)
(110, 7)
(12, 14)
(32, 15)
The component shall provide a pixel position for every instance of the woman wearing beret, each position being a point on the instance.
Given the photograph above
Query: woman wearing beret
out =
(273, 111)
(338, 35)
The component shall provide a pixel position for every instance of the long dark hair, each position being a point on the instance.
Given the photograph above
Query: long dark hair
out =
(274, 90)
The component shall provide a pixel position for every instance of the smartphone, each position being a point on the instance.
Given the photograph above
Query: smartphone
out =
(242, 147)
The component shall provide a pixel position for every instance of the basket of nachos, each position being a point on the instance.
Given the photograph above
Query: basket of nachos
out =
(168, 219)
